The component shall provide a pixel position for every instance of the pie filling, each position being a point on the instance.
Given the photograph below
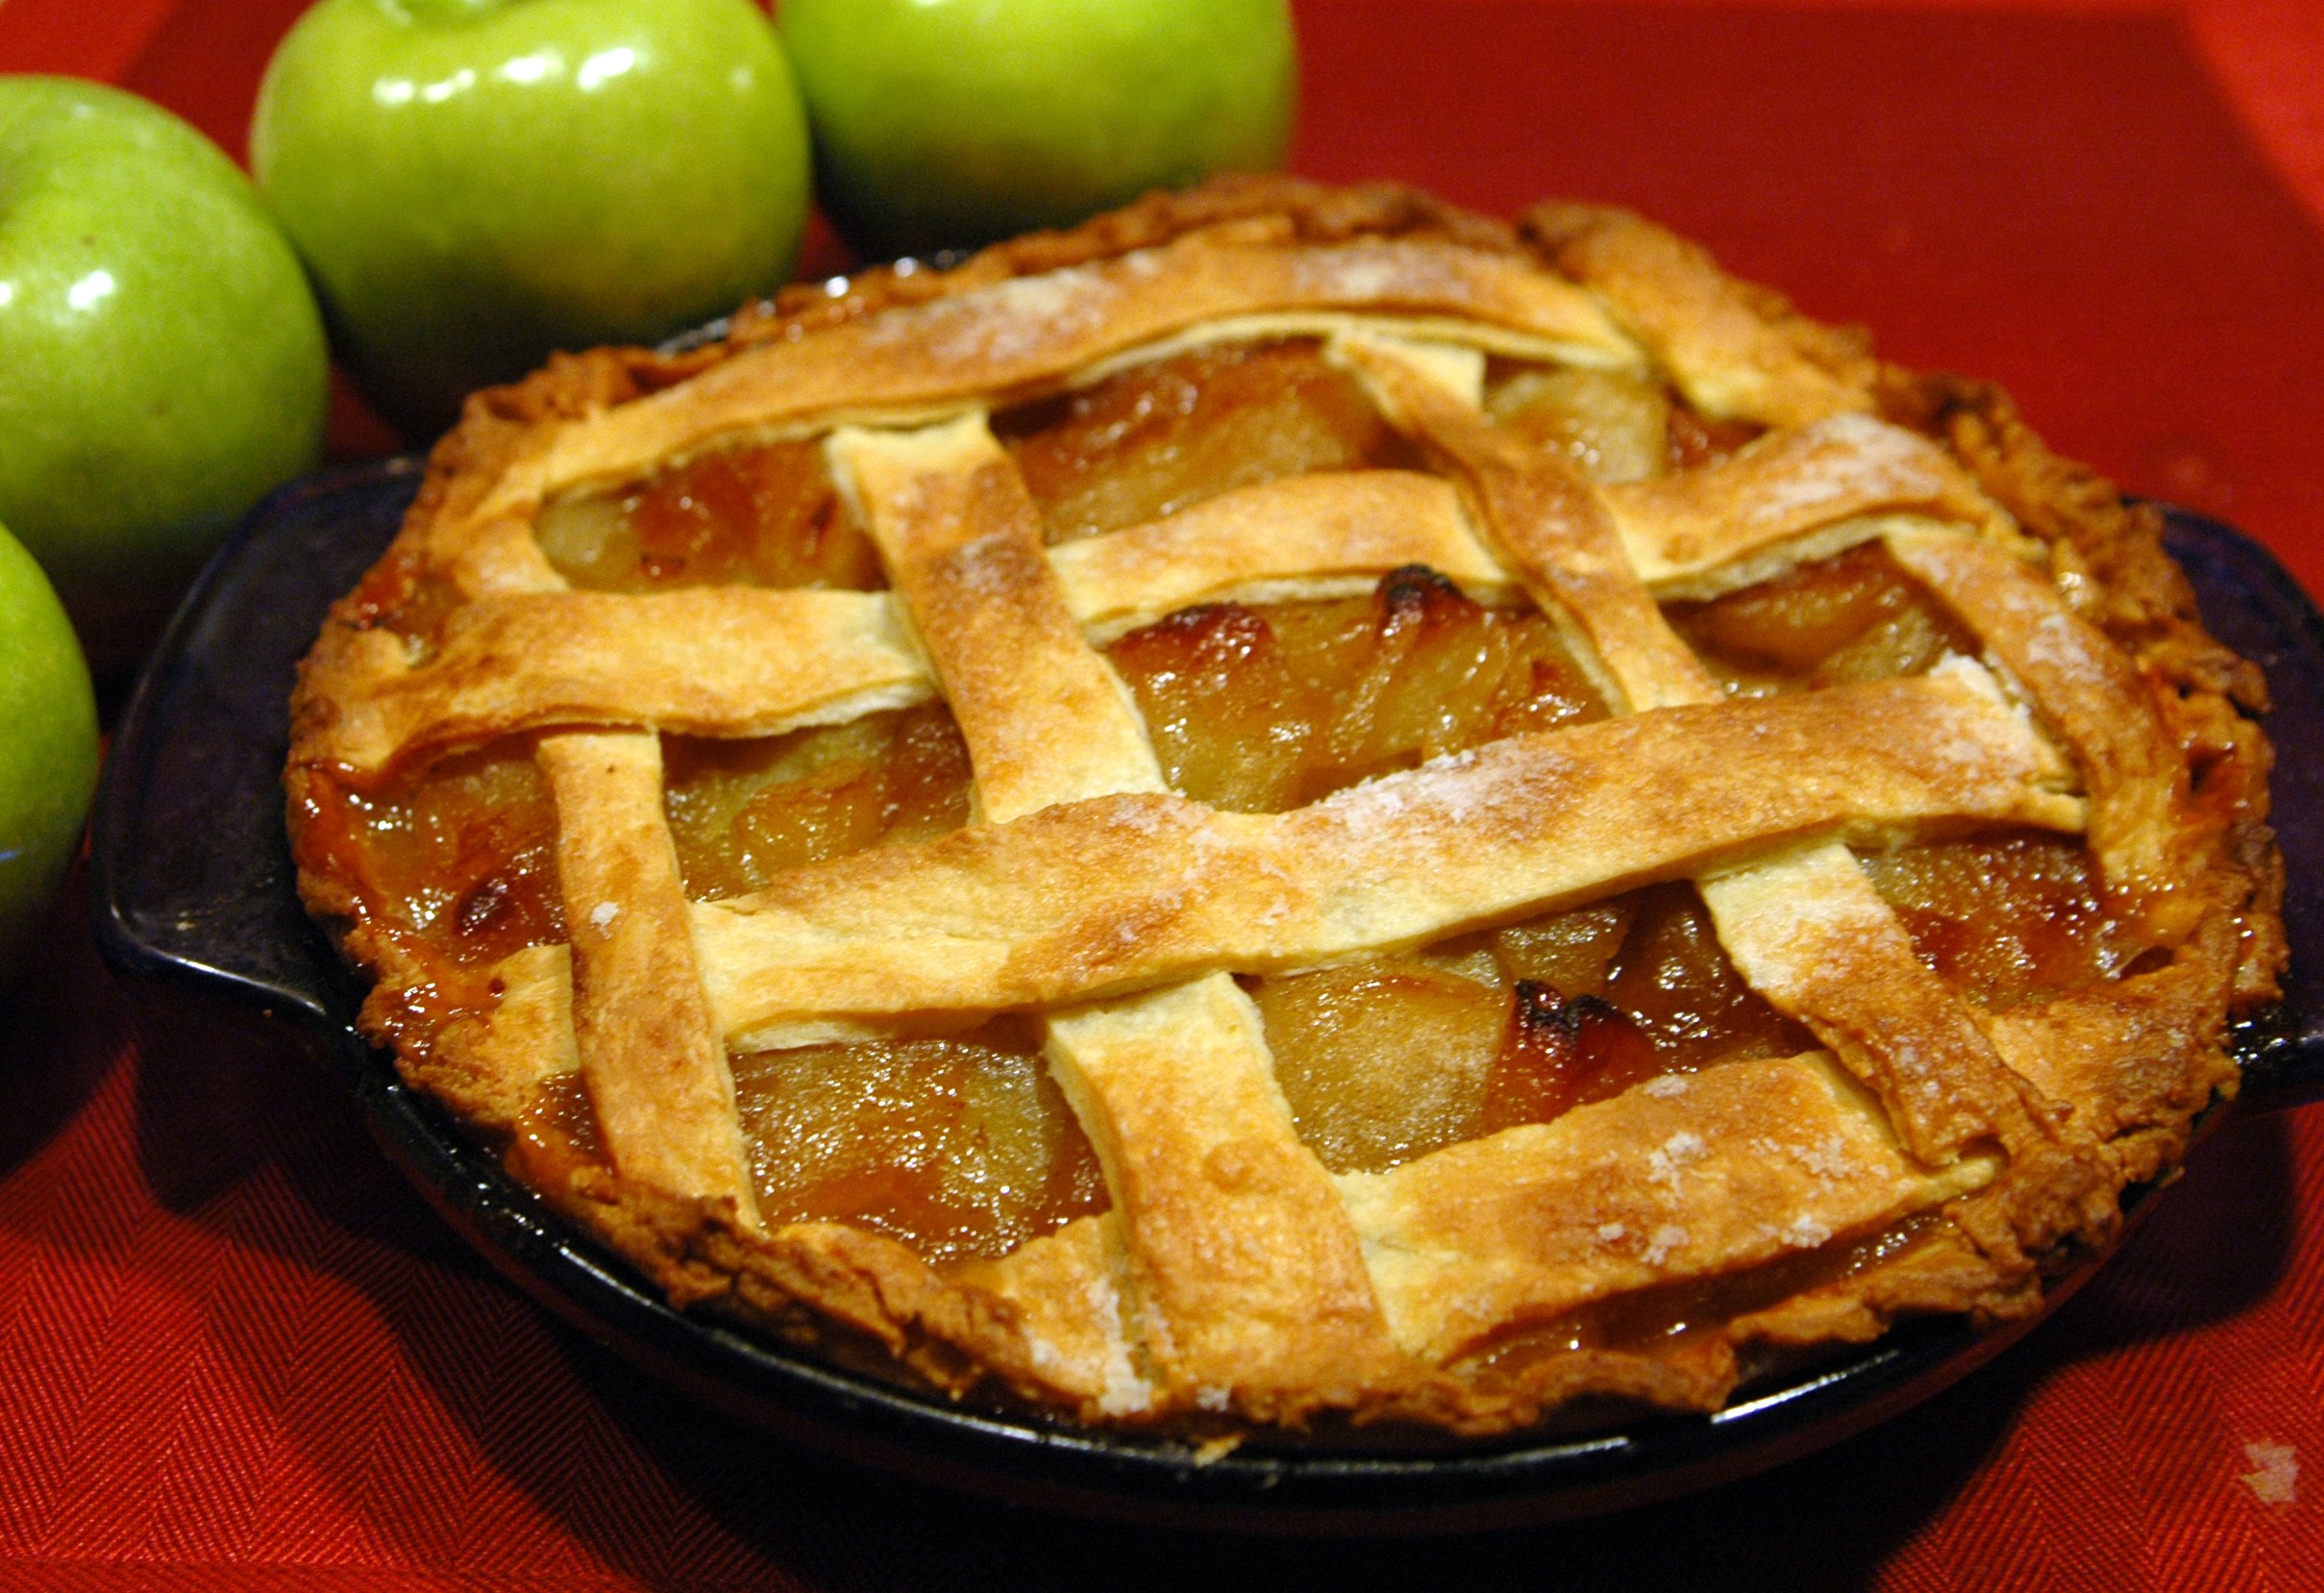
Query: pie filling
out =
(1160, 436)
(964, 1147)
(758, 515)
(1837, 621)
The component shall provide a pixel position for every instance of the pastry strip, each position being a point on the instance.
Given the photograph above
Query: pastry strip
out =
(1021, 337)
(1719, 346)
(1100, 897)
(1303, 537)
(743, 660)
(2132, 1053)
(652, 1059)
(705, 660)
(1690, 535)
(1738, 1165)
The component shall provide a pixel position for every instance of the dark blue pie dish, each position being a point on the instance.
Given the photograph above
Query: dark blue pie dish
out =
(195, 895)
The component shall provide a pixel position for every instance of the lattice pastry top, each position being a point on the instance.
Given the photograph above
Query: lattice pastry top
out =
(1295, 807)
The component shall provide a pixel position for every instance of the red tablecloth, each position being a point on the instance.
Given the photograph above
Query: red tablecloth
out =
(237, 1353)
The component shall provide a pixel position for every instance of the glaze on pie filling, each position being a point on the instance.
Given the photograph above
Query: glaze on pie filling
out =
(1296, 807)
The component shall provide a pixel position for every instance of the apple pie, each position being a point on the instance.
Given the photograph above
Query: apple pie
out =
(1295, 809)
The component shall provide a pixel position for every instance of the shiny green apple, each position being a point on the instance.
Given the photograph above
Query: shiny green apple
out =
(162, 362)
(477, 183)
(940, 123)
(48, 750)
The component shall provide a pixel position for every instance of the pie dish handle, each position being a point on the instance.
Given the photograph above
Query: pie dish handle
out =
(191, 882)
(2253, 605)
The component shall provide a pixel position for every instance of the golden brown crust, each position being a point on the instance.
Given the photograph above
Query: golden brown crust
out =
(1235, 1281)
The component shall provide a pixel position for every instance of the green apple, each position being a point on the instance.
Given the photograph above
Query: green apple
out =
(477, 183)
(162, 362)
(48, 750)
(943, 123)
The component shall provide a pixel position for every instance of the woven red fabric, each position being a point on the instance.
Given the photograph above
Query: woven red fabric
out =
(236, 1353)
